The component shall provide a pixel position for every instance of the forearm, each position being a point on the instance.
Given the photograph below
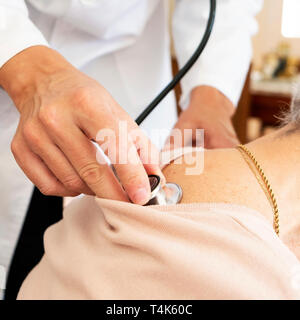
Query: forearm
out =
(209, 96)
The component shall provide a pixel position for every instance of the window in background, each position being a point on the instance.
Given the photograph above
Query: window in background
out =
(290, 19)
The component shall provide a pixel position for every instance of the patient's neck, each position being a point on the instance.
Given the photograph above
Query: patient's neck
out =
(279, 156)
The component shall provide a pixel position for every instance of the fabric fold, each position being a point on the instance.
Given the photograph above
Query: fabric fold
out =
(105, 249)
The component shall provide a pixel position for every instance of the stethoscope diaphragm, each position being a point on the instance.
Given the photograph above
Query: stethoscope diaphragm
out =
(170, 193)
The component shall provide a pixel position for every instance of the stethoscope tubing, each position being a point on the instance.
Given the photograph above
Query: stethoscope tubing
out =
(182, 72)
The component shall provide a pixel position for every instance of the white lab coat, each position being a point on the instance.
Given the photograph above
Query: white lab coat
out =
(125, 46)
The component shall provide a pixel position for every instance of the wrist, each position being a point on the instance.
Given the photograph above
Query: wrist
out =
(24, 73)
(211, 99)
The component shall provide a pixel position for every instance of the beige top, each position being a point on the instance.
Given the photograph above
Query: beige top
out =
(106, 249)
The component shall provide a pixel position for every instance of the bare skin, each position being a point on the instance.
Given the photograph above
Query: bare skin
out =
(228, 179)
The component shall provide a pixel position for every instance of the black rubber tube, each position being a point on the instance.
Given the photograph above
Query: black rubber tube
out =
(181, 73)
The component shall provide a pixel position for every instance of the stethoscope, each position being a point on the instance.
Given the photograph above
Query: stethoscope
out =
(182, 72)
(171, 193)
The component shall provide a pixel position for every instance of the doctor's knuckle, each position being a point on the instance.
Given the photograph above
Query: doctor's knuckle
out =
(49, 116)
(15, 146)
(73, 183)
(82, 96)
(92, 174)
(48, 189)
(31, 133)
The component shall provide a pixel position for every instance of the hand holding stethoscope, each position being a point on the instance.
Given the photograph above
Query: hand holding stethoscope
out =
(61, 110)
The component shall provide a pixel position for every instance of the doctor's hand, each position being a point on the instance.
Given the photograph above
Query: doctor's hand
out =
(61, 112)
(210, 110)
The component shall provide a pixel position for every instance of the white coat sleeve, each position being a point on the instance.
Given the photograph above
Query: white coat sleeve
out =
(17, 32)
(226, 59)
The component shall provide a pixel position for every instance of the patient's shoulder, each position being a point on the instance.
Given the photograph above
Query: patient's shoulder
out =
(225, 178)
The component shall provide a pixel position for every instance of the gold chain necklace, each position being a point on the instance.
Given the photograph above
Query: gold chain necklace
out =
(265, 185)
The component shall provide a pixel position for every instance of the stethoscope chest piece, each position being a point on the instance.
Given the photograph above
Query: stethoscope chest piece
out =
(171, 193)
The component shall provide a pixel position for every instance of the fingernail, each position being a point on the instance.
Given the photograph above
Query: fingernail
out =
(141, 196)
(162, 180)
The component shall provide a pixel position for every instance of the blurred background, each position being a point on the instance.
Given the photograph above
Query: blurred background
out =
(274, 70)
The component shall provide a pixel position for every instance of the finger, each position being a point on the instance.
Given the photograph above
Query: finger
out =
(127, 163)
(133, 175)
(55, 160)
(81, 153)
(37, 171)
(150, 158)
